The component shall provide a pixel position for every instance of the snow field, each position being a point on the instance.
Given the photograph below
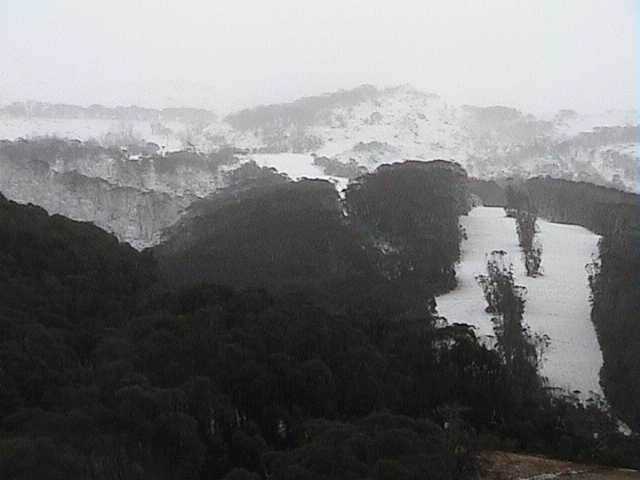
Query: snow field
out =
(557, 303)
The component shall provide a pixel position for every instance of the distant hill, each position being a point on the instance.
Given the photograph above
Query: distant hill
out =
(338, 136)
(373, 126)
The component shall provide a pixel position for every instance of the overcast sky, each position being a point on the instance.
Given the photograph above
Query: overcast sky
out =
(538, 55)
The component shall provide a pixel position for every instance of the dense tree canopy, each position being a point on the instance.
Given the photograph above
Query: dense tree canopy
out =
(412, 209)
(107, 372)
(400, 233)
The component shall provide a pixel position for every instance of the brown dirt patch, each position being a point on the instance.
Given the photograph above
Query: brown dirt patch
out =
(513, 466)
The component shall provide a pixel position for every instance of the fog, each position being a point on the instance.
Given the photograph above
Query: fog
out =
(537, 55)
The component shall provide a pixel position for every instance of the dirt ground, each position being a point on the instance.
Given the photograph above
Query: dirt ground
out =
(511, 466)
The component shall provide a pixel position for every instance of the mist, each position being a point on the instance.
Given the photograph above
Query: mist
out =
(538, 56)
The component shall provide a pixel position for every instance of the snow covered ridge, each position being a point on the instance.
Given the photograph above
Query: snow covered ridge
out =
(335, 136)
(557, 303)
(370, 126)
(374, 126)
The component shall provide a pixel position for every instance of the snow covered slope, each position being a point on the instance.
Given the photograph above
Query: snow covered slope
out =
(371, 126)
(557, 303)
(375, 126)
(297, 166)
(349, 131)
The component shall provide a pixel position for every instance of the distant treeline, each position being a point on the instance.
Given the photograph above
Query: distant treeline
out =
(489, 192)
(129, 113)
(301, 112)
(62, 152)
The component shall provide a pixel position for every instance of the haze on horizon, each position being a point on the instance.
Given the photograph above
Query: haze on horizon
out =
(539, 56)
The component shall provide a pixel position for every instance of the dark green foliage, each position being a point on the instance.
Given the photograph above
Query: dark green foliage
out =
(70, 272)
(401, 234)
(412, 210)
(615, 281)
(517, 199)
(380, 446)
(489, 192)
(105, 374)
(280, 235)
(520, 207)
(526, 229)
(600, 209)
(520, 349)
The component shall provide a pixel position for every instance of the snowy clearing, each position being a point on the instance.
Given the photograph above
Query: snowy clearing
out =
(297, 166)
(557, 303)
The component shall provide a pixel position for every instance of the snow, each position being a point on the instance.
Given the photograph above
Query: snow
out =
(416, 124)
(297, 166)
(85, 129)
(557, 303)
(404, 123)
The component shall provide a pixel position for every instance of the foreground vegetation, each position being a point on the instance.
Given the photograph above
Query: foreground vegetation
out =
(120, 364)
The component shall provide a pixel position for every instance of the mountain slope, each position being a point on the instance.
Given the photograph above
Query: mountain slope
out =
(186, 153)
(557, 303)
(373, 126)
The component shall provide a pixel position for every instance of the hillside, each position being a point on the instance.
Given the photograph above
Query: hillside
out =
(286, 235)
(557, 303)
(135, 193)
(374, 126)
(328, 370)
(172, 157)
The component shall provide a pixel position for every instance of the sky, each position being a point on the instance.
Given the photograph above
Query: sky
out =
(537, 55)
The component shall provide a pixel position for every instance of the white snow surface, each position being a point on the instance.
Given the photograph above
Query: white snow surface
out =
(297, 166)
(389, 125)
(557, 303)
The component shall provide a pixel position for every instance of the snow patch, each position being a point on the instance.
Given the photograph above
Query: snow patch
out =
(297, 166)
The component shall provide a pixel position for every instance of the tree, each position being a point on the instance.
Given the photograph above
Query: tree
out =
(520, 349)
